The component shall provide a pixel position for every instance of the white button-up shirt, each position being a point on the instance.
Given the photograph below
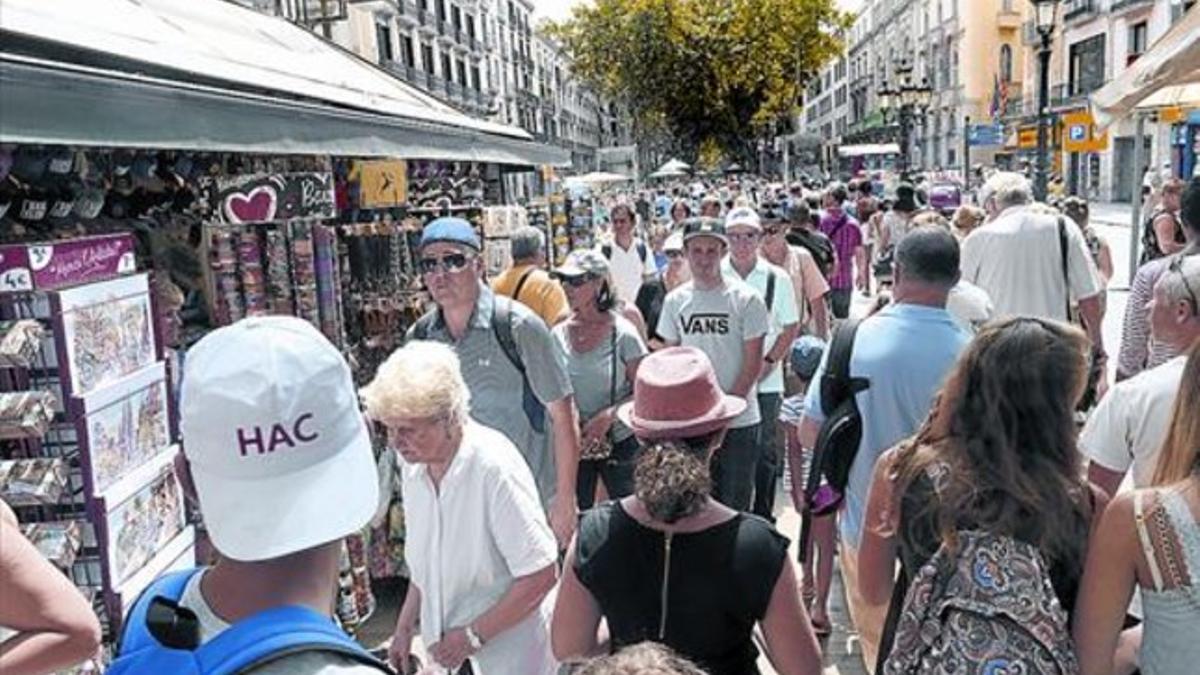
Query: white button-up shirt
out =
(470, 539)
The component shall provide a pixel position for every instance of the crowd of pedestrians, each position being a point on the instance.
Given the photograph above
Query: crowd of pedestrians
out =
(590, 453)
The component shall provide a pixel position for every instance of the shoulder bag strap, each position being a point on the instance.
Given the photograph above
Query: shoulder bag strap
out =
(502, 327)
(521, 283)
(770, 290)
(1062, 245)
(1139, 519)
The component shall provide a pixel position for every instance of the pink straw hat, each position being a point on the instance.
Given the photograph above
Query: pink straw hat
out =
(676, 395)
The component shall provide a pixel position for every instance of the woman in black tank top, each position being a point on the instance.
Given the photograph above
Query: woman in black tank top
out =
(669, 564)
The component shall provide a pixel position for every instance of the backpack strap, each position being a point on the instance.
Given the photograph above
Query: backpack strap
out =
(836, 383)
(275, 634)
(423, 327)
(502, 327)
(606, 249)
(1062, 247)
(1139, 519)
(642, 251)
(135, 635)
(770, 295)
(521, 283)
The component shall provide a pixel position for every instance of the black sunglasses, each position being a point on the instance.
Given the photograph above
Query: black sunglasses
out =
(674, 254)
(575, 281)
(452, 262)
(1177, 267)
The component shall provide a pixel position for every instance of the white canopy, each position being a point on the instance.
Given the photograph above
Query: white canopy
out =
(869, 149)
(1167, 74)
(597, 178)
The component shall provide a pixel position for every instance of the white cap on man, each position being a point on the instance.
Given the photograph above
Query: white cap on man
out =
(278, 448)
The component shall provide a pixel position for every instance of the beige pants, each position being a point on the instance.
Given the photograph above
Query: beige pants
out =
(868, 619)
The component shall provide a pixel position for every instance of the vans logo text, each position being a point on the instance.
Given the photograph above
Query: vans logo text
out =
(707, 324)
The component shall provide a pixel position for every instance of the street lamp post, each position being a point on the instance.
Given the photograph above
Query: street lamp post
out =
(1044, 14)
(903, 102)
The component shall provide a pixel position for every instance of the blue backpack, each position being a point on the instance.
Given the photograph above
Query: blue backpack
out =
(161, 637)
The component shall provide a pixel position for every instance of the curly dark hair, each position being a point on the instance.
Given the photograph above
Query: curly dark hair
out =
(1003, 430)
(671, 477)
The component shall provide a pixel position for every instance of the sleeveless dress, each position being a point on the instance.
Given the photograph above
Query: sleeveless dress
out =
(699, 593)
(1171, 633)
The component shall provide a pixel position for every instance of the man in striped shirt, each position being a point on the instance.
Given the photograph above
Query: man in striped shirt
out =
(847, 240)
(1138, 351)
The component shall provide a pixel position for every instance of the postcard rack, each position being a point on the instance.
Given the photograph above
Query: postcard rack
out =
(87, 440)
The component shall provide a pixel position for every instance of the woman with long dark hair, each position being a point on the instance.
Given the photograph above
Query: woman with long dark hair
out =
(670, 564)
(998, 455)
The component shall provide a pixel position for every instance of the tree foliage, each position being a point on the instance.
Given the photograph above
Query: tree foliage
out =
(708, 72)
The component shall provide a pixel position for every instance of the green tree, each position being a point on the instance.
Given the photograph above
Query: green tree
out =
(712, 73)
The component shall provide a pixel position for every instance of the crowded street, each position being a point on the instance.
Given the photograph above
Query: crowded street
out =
(599, 337)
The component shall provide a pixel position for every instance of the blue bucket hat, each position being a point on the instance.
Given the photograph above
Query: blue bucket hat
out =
(450, 230)
(806, 356)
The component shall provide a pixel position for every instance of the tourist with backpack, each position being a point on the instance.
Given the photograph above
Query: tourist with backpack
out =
(630, 257)
(875, 386)
(809, 285)
(515, 371)
(773, 285)
(280, 458)
(987, 512)
(1162, 233)
(483, 559)
(802, 232)
(1150, 539)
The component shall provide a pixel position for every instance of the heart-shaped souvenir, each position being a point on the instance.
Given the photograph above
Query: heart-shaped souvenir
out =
(256, 206)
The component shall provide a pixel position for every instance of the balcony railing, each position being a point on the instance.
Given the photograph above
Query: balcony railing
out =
(1079, 9)
(1122, 5)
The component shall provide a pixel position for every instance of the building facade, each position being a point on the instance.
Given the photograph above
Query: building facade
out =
(482, 56)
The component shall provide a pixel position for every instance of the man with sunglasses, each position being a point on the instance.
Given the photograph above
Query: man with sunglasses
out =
(1129, 426)
(1138, 350)
(808, 284)
(477, 324)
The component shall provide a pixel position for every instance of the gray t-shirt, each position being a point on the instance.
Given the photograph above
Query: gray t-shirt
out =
(592, 375)
(496, 384)
(719, 323)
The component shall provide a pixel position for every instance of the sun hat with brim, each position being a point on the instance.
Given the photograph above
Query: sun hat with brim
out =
(278, 448)
(450, 230)
(676, 395)
(704, 227)
(582, 262)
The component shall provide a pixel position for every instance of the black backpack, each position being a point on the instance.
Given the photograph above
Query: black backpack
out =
(1151, 250)
(502, 328)
(840, 435)
(818, 245)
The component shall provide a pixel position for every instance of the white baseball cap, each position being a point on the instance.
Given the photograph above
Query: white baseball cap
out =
(279, 451)
(742, 216)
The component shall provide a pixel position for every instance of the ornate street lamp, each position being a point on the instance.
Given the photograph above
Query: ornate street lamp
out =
(902, 103)
(1045, 12)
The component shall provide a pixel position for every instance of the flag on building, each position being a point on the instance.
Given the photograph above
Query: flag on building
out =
(996, 109)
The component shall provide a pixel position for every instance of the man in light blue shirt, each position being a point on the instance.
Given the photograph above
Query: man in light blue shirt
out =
(906, 352)
(774, 286)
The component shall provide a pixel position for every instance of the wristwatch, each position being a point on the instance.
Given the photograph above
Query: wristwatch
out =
(473, 638)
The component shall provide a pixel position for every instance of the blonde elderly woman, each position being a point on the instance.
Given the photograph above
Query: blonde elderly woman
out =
(481, 553)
